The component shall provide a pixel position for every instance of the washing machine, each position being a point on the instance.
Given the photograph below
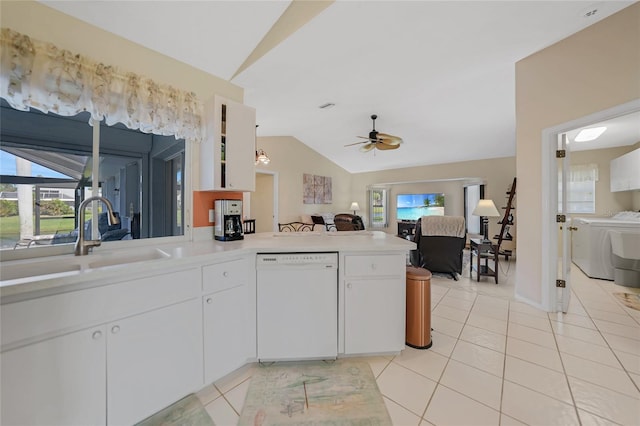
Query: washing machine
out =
(591, 242)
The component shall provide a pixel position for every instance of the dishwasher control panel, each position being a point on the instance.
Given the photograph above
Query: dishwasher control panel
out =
(264, 259)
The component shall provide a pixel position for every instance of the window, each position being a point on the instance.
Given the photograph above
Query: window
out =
(472, 194)
(581, 191)
(47, 170)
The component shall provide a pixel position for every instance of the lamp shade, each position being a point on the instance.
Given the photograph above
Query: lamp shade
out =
(262, 157)
(355, 207)
(486, 208)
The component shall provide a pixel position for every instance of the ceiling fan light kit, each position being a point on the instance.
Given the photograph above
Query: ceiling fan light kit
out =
(381, 141)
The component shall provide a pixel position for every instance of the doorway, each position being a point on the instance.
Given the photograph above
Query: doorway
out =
(555, 245)
(264, 201)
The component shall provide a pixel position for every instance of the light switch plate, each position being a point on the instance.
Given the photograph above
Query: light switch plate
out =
(211, 215)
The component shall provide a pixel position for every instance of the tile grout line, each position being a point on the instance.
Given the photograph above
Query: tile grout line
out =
(504, 363)
(636, 385)
(424, 413)
(449, 358)
(564, 370)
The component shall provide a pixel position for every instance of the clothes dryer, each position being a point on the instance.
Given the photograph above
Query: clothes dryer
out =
(591, 242)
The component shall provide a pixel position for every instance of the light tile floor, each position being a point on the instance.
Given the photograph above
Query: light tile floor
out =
(497, 361)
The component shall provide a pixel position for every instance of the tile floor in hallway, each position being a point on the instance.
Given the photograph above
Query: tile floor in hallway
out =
(496, 361)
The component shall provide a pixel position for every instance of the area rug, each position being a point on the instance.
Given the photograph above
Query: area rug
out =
(189, 411)
(315, 393)
(630, 300)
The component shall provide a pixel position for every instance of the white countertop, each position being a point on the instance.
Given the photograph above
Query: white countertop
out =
(102, 266)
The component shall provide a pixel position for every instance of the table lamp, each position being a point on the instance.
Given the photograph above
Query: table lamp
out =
(486, 209)
(355, 207)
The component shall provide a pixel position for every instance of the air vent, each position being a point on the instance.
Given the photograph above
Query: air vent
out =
(327, 105)
(590, 13)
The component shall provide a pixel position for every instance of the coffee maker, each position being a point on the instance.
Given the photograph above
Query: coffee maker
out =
(228, 217)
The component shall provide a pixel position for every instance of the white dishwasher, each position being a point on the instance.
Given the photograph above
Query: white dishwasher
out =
(297, 313)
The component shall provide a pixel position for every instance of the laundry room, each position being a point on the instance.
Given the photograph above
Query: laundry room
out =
(603, 198)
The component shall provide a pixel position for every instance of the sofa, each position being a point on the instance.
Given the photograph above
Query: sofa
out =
(441, 241)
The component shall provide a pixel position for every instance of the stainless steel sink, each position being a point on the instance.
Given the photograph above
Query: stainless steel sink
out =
(115, 258)
(65, 264)
(13, 271)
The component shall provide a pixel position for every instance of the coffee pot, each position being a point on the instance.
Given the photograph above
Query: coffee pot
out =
(228, 217)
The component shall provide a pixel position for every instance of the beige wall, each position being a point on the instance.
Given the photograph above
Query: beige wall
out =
(262, 203)
(607, 203)
(593, 70)
(497, 174)
(45, 24)
(291, 159)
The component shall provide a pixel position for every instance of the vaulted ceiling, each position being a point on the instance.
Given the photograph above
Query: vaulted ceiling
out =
(440, 74)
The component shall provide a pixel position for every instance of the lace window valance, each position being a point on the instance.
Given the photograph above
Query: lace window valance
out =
(35, 74)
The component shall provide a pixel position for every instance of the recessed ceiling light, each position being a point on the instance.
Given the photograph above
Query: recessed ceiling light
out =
(587, 135)
(327, 105)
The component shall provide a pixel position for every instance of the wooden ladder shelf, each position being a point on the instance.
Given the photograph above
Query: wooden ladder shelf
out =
(507, 220)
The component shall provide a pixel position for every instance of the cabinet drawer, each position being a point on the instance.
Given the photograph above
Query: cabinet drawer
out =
(45, 316)
(374, 265)
(221, 276)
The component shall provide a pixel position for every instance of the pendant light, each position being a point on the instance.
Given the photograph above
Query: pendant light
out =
(261, 156)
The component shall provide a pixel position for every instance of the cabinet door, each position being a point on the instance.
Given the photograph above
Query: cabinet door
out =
(227, 153)
(153, 359)
(374, 265)
(374, 315)
(227, 342)
(240, 147)
(57, 381)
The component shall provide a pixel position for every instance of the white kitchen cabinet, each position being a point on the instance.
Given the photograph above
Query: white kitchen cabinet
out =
(153, 359)
(625, 172)
(374, 303)
(59, 381)
(144, 352)
(227, 153)
(226, 342)
(229, 316)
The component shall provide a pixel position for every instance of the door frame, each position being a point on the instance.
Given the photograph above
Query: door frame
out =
(274, 225)
(549, 199)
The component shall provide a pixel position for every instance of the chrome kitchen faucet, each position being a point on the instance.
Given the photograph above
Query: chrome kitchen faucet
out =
(82, 246)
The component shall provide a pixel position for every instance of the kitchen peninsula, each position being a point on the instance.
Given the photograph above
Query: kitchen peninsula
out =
(115, 336)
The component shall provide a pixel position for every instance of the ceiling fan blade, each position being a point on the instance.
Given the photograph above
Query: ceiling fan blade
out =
(389, 139)
(356, 143)
(367, 148)
(384, 147)
(363, 137)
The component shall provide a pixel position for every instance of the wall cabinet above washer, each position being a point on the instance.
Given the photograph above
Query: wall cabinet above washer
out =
(625, 172)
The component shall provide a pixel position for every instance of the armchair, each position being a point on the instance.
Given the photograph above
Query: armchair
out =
(348, 222)
(441, 241)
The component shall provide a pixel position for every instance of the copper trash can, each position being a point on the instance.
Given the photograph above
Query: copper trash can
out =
(418, 324)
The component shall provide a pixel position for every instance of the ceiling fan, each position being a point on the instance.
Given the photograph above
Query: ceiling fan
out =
(378, 140)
